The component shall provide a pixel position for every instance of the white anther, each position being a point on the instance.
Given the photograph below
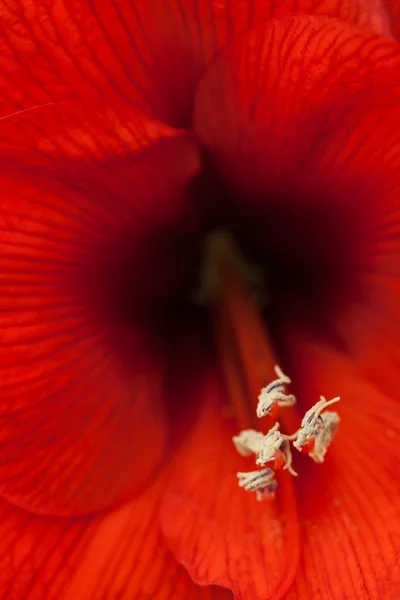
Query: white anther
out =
(320, 427)
(273, 443)
(270, 445)
(248, 442)
(275, 446)
(262, 482)
(313, 413)
(325, 436)
(274, 393)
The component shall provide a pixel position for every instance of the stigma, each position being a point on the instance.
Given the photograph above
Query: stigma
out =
(317, 430)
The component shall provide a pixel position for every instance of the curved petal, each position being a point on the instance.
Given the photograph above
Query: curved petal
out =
(254, 120)
(149, 53)
(120, 555)
(92, 209)
(217, 531)
(349, 505)
(309, 139)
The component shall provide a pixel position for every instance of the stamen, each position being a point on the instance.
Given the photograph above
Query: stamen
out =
(317, 430)
(314, 437)
(276, 447)
(248, 442)
(262, 482)
(273, 394)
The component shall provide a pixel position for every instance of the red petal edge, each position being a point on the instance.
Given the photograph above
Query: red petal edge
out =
(121, 555)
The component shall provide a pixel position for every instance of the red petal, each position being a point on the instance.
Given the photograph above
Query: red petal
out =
(301, 117)
(381, 15)
(390, 11)
(395, 592)
(349, 505)
(92, 198)
(121, 555)
(262, 106)
(220, 533)
(146, 52)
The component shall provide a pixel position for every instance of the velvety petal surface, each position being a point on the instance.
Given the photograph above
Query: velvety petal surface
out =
(348, 505)
(149, 53)
(301, 118)
(221, 534)
(92, 211)
(121, 555)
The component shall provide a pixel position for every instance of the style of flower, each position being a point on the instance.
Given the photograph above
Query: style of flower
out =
(193, 192)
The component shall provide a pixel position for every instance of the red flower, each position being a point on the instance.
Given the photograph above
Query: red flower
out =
(126, 138)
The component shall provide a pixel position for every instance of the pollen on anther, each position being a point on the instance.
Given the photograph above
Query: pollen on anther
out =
(248, 442)
(274, 394)
(276, 447)
(317, 430)
(262, 481)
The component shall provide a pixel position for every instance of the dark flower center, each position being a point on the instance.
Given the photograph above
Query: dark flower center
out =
(303, 244)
